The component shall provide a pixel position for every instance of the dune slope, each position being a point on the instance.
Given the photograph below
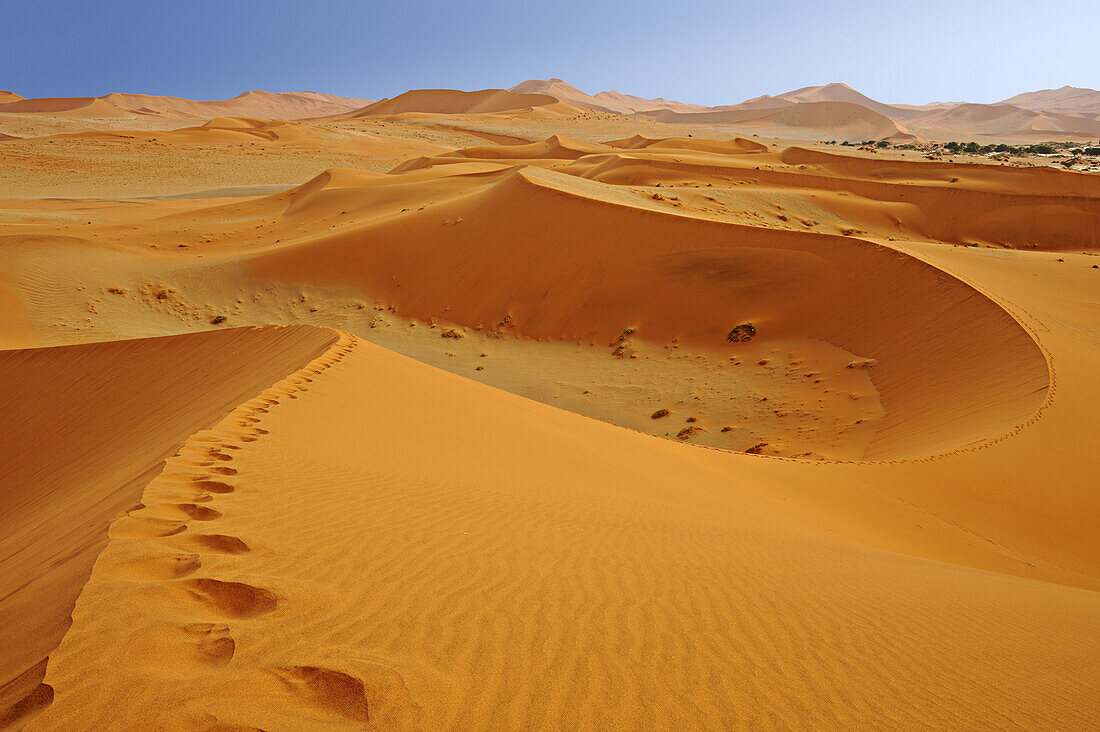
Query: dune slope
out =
(83, 429)
(451, 556)
(675, 277)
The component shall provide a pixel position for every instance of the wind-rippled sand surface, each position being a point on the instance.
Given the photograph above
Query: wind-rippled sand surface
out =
(342, 536)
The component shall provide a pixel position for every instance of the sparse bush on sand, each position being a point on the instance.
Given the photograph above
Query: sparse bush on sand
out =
(659, 414)
(218, 320)
(742, 333)
(688, 432)
(450, 333)
(757, 448)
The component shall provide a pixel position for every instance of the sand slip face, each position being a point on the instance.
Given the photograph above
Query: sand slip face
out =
(83, 429)
(397, 547)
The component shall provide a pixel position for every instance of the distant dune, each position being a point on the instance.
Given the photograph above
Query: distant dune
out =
(1003, 119)
(842, 118)
(1066, 100)
(88, 106)
(451, 101)
(263, 104)
(605, 101)
(842, 93)
(735, 146)
(1066, 111)
(810, 120)
(1059, 113)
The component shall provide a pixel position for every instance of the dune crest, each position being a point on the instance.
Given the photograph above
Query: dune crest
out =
(128, 405)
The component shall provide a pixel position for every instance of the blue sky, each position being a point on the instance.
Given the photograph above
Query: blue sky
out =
(702, 52)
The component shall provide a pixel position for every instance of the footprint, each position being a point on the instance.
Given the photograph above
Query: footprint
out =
(214, 486)
(333, 691)
(142, 528)
(224, 471)
(218, 543)
(214, 644)
(217, 455)
(188, 645)
(164, 567)
(231, 599)
(199, 513)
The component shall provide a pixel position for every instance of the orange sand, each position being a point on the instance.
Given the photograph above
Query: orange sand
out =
(299, 528)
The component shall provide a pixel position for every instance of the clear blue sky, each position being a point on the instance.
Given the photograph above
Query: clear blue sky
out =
(708, 52)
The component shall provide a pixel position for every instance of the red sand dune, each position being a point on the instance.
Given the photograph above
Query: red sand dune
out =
(450, 101)
(286, 528)
(91, 425)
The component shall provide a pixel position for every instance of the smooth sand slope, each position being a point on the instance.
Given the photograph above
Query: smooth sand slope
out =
(85, 428)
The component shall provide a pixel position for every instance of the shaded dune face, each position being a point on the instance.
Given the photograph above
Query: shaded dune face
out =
(580, 260)
(83, 429)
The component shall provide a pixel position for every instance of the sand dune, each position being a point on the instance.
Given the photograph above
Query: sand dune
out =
(430, 531)
(605, 101)
(86, 106)
(248, 104)
(669, 277)
(875, 505)
(843, 113)
(817, 120)
(736, 146)
(1066, 100)
(836, 92)
(297, 105)
(840, 118)
(126, 406)
(450, 101)
(1003, 119)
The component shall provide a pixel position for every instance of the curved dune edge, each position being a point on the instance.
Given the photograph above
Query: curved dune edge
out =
(954, 368)
(81, 449)
(473, 559)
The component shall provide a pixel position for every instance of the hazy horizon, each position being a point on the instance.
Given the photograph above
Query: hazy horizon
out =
(703, 52)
